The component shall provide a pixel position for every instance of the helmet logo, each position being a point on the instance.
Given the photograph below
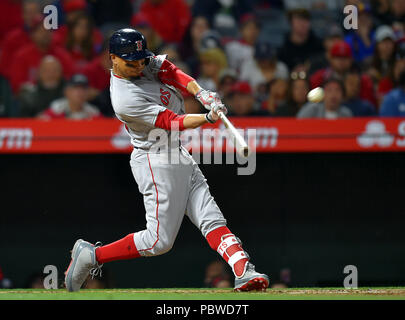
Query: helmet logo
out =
(139, 45)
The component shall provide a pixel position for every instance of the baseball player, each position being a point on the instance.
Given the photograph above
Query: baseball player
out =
(145, 96)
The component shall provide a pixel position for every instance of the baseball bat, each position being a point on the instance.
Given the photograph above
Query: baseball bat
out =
(239, 142)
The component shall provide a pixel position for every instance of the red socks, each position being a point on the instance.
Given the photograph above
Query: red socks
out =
(118, 250)
(226, 244)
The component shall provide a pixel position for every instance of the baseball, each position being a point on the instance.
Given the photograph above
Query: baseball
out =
(316, 95)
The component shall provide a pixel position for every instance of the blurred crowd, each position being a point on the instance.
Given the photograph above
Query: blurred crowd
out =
(261, 56)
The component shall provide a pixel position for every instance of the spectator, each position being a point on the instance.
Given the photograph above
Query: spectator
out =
(264, 68)
(35, 98)
(227, 79)
(361, 40)
(73, 105)
(381, 11)
(382, 66)
(334, 34)
(79, 41)
(98, 72)
(300, 44)
(340, 62)
(399, 62)
(213, 61)
(398, 11)
(332, 107)
(394, 102)
(241, 51)
(19, 36)
(189, 48)
(73, 10)
(24, 66)
(223, 15)
(298, 89)
(277, 96)
(241, 101)
(358, 106)
(169, 18)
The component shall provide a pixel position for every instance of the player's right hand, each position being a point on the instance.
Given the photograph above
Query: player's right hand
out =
(208, 98)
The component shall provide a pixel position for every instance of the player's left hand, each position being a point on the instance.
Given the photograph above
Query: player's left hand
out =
(208, 98)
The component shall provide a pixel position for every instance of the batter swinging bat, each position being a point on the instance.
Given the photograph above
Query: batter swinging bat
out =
(239, 142)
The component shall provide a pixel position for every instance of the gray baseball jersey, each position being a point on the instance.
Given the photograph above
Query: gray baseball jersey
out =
(170, 189)
(138, 102)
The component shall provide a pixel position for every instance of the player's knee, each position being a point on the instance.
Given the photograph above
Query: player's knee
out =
(161, 247)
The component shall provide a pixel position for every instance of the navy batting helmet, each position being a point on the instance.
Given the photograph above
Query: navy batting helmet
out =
(129, 44)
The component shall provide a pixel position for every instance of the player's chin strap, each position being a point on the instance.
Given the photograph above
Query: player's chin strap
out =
(231, 250)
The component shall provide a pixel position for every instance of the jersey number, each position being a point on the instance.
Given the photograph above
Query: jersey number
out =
(165, 96)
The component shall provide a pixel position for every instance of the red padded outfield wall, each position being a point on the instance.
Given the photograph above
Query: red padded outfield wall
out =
(269, 135)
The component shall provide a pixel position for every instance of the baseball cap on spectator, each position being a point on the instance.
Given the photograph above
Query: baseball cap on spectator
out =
(248, 17)
(264, 51)
(384, 32)
(241, 87)
(78, 80)
(341, 49)
(74, 5)
(210, 39)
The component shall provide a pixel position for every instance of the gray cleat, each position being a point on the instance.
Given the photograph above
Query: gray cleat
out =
(252, 280)
(83, 263)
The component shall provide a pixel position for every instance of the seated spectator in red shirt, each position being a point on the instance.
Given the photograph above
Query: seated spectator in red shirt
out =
(340, 62)
(74, 104)
(73, 9)
(16, 38)
(24, 67)
(10, 17)
(241, 101)
(79, 41)
(169, 18)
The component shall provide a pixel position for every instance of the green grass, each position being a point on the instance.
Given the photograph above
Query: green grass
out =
(391, 293)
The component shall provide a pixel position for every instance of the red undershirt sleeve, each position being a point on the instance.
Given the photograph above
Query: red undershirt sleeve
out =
(167, 118)
(172, 75)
